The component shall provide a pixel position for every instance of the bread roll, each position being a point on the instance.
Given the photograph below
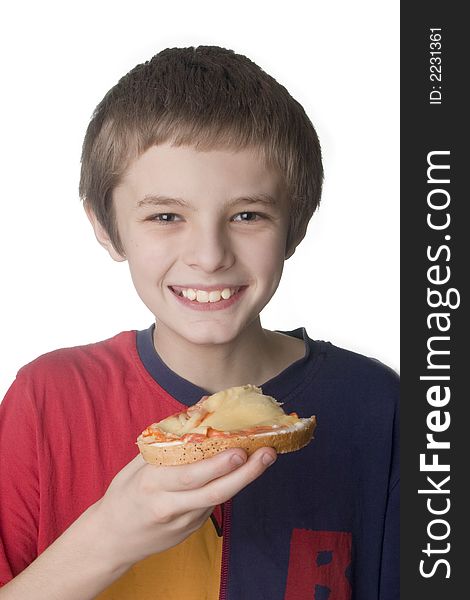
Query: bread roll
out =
(238, 417)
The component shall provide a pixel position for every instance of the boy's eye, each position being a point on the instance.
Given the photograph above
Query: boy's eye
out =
(165, 218)
(247, 216)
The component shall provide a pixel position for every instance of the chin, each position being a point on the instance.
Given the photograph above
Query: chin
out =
(210, 334)
(210, 338)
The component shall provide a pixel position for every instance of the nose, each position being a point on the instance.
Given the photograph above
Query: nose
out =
(208, 248)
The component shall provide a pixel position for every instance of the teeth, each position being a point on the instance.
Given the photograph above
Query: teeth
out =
(214, 296)
(203, 296)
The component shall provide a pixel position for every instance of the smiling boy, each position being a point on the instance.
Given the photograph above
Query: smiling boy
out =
(202, 172)
(211, 226)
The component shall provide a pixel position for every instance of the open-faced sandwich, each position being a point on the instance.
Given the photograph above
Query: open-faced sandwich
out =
(238, 417)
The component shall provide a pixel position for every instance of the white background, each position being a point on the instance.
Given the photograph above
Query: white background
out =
(339, 59)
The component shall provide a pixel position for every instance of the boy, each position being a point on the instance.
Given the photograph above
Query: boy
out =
(202, 172)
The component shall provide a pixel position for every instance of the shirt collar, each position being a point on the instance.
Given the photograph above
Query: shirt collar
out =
(188, 393)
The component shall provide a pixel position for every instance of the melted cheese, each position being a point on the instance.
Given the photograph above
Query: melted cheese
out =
(232, 409)
(299, 424)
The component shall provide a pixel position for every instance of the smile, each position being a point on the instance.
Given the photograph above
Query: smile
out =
(207, 299)
(205, 295)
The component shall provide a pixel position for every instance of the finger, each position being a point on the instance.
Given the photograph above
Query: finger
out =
(132, 467)
(198, 474)
(135, 464)
(225, 487)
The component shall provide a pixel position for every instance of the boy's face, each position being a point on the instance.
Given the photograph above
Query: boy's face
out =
(206, 224)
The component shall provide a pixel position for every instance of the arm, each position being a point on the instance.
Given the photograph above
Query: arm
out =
(145, 510)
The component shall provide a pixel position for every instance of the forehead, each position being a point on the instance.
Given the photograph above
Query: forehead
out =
(186, 172)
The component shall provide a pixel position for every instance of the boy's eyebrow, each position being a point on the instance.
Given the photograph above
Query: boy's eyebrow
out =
(159, 200)
(260, 198)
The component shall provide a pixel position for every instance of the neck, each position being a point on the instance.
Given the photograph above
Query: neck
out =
(219, 366)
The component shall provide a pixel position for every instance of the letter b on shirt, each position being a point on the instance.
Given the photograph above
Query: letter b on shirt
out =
(318, 562)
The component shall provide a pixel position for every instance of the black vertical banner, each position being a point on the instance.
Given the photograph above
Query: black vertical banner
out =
(435, 262)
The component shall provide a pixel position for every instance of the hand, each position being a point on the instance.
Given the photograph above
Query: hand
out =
(148, 509)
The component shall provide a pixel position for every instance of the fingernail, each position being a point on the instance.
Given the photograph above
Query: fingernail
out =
(236, 460)
(268, 459)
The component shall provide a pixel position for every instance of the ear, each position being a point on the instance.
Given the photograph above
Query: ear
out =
(290, 252)
(293, 246)
(296, 241)
(102, 235)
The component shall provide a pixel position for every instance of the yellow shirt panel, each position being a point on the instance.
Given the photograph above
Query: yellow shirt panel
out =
(189, 571)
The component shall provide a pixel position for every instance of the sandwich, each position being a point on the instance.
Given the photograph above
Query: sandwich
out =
(238, 417)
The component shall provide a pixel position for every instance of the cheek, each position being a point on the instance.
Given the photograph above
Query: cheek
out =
(265, 258)
(147, 260)
(270, 263)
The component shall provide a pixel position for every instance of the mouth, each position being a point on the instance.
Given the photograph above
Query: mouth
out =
(209, 298)
(205, 295)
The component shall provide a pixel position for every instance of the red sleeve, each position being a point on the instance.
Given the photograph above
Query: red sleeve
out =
(19, 481)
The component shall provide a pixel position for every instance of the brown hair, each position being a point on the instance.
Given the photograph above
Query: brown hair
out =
(206, 97)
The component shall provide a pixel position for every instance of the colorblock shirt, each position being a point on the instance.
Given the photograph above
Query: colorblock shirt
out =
(320, 523)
